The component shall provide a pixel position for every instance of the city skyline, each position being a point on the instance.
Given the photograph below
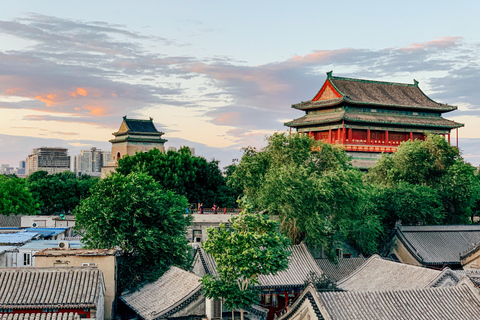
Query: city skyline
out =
(218, 76)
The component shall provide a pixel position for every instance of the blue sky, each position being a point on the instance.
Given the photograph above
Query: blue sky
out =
(218, 75)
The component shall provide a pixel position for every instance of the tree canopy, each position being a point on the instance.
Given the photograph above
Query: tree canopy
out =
(60, 192)
(443, 186)
(310, 184)
(194, 177)
(250, 246)
(15, 198)
(147, 222)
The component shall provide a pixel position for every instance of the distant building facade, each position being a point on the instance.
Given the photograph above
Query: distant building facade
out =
(50, 159)
(21, 168)
(90, 162)
(134, 136)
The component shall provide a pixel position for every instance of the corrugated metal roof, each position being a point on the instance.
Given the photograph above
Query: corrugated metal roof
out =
(439, 244)
(156, 299)
(66, 287)
(378, 274)
(300, 265)
(341, 269)
(47, 244)
(17, 237)
(47, 232)
(459, 303)
(7, 248)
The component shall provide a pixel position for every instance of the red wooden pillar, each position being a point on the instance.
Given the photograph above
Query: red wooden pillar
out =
(329, 135)
(411, 136)
(386, 136)
(368, 136)
(344, 133)
(286, 300)
(449, 139)
(457, 138)
(338, 135)
(350, 135)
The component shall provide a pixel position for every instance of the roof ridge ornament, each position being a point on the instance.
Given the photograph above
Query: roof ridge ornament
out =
(415, 83)
(329, 74)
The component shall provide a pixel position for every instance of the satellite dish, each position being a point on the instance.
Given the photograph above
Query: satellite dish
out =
(34, 224)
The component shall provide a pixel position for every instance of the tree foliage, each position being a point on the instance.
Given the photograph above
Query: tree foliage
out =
(15, 198)
(194, 177)
(250, 246)
(310, 184)
(60, 192)
(439, 180)
(134, 213)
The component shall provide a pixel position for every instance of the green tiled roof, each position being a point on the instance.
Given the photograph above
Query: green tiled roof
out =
(371, 117)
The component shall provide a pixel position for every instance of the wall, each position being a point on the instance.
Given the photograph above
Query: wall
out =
(106, 263)
(402, 253)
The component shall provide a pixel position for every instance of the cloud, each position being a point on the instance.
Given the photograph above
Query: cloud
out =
(94, 72)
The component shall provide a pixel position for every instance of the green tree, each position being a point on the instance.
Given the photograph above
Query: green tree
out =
(194, 177)
(310, 185)
(249, 247)
(134, 213)
(60, 192)
(15, 198)
(436, 166)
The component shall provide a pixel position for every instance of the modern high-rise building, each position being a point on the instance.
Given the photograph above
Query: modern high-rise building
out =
(90, 162)
(50, 159)
(21, 168)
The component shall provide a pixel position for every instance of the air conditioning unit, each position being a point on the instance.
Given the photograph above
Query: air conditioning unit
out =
(64, 244)
(89, 264)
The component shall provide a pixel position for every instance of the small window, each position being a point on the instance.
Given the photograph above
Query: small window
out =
(339, 253)
(26, 259)
(197, 235)
(118, 155)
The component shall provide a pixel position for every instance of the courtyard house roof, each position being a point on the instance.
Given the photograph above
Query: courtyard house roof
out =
(378, 274)
(175, 289)
(344, 267)
(37, 288)
(300, 266)
(438, 245)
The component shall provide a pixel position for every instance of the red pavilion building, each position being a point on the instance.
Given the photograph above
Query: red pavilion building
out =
(370, 117)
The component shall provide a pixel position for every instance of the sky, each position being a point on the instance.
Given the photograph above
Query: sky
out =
(218, 75)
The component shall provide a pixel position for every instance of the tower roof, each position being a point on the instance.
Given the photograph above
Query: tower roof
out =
(336, 90)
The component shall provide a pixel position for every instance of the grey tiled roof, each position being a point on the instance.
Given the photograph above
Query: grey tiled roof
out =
(385, 93)
(378, 274)
(66, 287)
(457, 303)
(155, 300)
(438, 245)
(341, 269)
(300, 265)
(379, 93)
(10, 220)
(40, 316)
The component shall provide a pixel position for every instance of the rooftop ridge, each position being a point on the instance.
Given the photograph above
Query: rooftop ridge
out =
(415, 84)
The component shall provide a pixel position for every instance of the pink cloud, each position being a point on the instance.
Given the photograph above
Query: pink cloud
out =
(439, 43)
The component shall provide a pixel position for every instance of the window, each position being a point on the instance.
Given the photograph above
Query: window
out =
(197, 235)
(26, 259)
(339, 253)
